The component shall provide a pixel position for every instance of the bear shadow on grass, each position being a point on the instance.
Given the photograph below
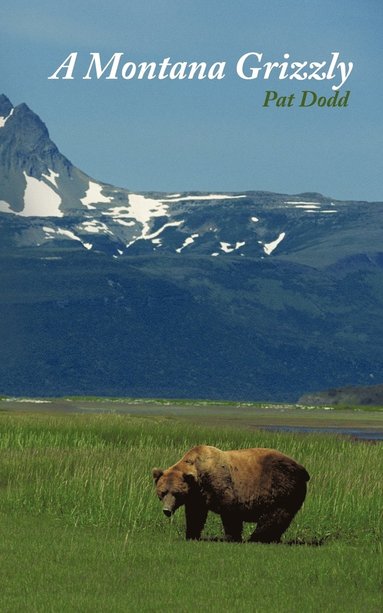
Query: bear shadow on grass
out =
(314, 542)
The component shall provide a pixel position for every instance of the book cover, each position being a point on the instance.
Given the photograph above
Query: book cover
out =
(191, 248)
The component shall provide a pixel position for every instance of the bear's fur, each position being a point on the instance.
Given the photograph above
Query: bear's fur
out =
(249, 485)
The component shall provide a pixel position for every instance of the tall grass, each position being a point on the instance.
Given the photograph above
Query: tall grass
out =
(96, 470)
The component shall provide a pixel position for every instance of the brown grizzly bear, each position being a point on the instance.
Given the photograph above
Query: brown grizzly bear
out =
(249, 485)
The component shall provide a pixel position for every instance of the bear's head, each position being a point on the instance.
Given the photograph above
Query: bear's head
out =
(173, 488)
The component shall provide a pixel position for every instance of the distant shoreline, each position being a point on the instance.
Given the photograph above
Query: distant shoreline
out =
(362, 423)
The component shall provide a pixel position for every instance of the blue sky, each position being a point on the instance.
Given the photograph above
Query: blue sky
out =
(203, 135)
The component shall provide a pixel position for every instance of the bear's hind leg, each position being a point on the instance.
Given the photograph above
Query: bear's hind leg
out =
(271, 526)
(233, 528)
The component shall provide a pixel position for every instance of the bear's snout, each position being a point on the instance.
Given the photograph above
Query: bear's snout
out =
(169, 505)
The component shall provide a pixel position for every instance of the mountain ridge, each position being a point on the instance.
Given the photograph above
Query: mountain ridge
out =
(35, 172)
(251, 295)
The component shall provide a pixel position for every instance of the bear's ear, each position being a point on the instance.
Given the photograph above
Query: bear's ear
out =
(190, 478)
(157, 473)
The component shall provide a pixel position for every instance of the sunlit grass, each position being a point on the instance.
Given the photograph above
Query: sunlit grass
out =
(81, 528)
(47, 565)
(95, 470)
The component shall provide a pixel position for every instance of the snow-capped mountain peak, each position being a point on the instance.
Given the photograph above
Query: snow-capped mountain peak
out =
(42, 189)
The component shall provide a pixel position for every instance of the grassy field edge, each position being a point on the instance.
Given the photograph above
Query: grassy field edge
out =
(78, 512)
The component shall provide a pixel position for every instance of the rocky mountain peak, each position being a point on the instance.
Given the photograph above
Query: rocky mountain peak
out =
(5, 106)
(25, 145)
(25, 133)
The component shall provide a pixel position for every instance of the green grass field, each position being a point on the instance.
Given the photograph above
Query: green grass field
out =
(82, 530)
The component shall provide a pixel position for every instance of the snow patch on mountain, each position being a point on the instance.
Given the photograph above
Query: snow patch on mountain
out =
(94, 195)
(170, 224)
(40, 200)
(51, 177)
(118, 211)
(51, 233)
(5, 207)
(207, 197)
(187, 241)
(122, 222)
(302, 202)
(3, 120)
(95, 227)
(268, 248)
(228, 247)
(143, 209)
(119, 214)
(308, 207)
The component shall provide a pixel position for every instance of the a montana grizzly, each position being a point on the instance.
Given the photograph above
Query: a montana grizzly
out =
(249, 485)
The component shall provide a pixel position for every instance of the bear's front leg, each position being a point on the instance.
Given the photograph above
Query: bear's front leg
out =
(195, 520)
(233, 527)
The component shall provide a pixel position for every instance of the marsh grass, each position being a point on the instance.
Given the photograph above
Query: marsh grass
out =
(95, 470)
(81, 528)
